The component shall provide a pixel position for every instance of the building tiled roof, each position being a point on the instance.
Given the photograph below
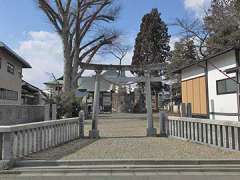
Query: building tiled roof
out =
(15, 55)
(88, 83)
(54, 82)
(26, 85)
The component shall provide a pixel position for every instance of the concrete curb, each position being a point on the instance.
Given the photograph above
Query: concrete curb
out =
(123, 162)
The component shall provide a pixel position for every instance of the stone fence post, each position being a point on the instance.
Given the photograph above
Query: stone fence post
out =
(183, 110)
(81, 124)
(54, 112)
(7, 146)
(163, 120)
(189, 110)
(1, 146)
(47, 112)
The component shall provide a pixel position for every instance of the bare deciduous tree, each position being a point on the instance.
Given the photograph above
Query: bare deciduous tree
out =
(76, 22)
(196, 31)
(218, 29)
(120, 52)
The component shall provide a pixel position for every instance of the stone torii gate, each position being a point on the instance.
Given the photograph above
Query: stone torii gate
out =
(147, 79)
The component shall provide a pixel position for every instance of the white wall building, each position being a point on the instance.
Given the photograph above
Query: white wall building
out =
(210, 90)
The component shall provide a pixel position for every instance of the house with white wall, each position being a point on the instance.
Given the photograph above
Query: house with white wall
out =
(11, 65)
(212, 92)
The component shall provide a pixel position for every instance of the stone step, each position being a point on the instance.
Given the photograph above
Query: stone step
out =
(32, 163)
(125, 165)
(123, 176)
(123, 168)
(130, 168)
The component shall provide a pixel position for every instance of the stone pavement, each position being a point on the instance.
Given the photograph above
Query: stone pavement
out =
(123, 137)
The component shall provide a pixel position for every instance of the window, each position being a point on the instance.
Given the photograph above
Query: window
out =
(226, 86)
(12, 95)
(2, 94)
(10, 68)
(8, 94)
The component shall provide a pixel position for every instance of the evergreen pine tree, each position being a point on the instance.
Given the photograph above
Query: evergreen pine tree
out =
(152, 45)
(152, 42)
(184, 53)
(223, 24)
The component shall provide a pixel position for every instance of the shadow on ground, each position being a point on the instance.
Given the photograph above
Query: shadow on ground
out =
(61, 151)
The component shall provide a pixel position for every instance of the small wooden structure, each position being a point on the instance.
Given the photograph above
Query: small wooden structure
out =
(211, 85)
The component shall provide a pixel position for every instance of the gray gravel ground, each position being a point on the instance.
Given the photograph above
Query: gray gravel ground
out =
(123, 137)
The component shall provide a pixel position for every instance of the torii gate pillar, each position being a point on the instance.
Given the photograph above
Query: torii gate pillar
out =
(94, 133)
(151, 131)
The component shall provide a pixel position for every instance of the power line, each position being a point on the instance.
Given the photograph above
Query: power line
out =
(223, 72)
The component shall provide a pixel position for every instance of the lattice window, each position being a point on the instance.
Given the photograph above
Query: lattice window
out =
(6, 94)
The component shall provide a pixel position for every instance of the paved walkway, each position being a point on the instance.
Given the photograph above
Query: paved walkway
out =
(123, 137)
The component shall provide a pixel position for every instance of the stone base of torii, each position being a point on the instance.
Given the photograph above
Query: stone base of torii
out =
(150, 131)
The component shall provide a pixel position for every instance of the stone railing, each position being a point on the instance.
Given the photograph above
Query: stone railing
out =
(225, 134)
(21, 140)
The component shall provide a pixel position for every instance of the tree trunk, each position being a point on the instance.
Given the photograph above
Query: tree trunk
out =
(74, 72)
(67, 89)
(67, 75)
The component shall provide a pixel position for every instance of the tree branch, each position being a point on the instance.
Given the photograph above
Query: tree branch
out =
(91, 42)
(51, 14)
(88, 23)
(60, 7)
(100, 44)
(87, 61)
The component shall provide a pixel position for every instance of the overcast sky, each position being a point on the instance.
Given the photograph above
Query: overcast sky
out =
(26, 30)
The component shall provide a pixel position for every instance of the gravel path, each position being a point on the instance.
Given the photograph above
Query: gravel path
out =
(123, 137)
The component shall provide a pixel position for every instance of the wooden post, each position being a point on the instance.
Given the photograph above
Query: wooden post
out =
(94, 133)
